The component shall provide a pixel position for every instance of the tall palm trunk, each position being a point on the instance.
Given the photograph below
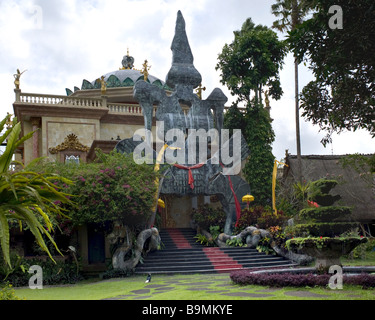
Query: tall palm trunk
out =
(295, 21)
(298, 136)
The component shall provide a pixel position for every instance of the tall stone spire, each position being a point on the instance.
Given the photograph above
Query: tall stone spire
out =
(182, 71)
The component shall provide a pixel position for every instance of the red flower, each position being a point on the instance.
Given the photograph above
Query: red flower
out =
(312, 204)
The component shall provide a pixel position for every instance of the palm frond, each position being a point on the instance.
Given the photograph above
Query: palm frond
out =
(4, 237)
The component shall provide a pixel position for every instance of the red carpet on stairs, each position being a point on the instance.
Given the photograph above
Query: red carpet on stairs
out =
(179, 239)
(220, 260)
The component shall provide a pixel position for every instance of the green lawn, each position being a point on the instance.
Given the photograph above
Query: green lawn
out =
(186, 287)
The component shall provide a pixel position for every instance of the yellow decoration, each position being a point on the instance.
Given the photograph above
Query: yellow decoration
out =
(145, 69)
(103, 86)
(199, 91)
(247, 198)
(71, 142)
(17, 77)
(274, 185)
(156, 168)
(161, 203)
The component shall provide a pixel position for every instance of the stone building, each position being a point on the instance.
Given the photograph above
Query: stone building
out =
(95, 116)
(98, 115)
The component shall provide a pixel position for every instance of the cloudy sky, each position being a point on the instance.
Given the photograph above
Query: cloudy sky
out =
(62, 42)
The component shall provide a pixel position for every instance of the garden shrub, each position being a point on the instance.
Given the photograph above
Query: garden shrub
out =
(113, 188)
(260, 217)
(362, 251)
(61, 272)
(7, 292)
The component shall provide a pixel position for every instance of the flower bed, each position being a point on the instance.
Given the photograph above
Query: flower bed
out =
(245, 277)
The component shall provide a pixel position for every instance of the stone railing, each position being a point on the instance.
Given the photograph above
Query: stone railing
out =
(131, 109)
(53, 100)
(57, 100)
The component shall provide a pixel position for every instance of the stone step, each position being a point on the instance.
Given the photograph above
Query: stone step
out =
(182, 254)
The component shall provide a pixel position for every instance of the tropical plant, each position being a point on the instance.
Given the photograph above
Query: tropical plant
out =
(202, 239)
(235, 242)
(26, 197)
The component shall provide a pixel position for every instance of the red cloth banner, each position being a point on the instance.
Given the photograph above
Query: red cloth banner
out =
(191, 179)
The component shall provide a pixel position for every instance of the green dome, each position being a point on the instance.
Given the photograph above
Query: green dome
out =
(125, 77)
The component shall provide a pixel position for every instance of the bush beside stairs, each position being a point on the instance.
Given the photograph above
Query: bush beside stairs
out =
(182, 254)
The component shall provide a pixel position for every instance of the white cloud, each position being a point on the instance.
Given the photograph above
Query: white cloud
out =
(78, 40)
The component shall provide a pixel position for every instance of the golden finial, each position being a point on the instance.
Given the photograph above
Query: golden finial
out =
(103, 86)
(145, 70)
(199, 91)
(17, 77)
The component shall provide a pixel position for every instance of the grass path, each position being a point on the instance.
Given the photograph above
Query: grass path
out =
(186, 287)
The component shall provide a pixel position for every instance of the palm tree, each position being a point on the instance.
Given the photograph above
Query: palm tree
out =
(25, 196)
(291, 13)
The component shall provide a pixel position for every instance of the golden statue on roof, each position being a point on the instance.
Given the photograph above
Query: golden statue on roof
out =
(199, 91)
(17, 77)
(145, 69)
(103, 86)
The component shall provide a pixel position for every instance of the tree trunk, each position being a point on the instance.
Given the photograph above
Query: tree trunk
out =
(298, 136)
(295, 21)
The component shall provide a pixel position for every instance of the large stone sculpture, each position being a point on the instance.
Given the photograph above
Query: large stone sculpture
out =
(200, 178)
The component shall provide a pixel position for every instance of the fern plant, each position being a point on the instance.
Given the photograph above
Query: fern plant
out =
(235, 242)
(25, 196)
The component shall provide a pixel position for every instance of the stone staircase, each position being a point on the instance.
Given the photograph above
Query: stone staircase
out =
(182, 254)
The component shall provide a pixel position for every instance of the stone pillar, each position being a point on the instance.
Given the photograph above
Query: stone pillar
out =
(18, 94)
(36, 125)
(104, 101)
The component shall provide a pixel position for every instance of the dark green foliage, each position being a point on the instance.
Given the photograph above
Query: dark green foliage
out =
(251, 62)
(324, 214)
(261, 217)
(258, 169)
(206, 216)
(342, 94)
(256, 128)
(61, 272)
(319, 192)
(324, 229)
(322, 226)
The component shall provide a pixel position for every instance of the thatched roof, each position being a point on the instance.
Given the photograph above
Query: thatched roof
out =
(355, 191)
